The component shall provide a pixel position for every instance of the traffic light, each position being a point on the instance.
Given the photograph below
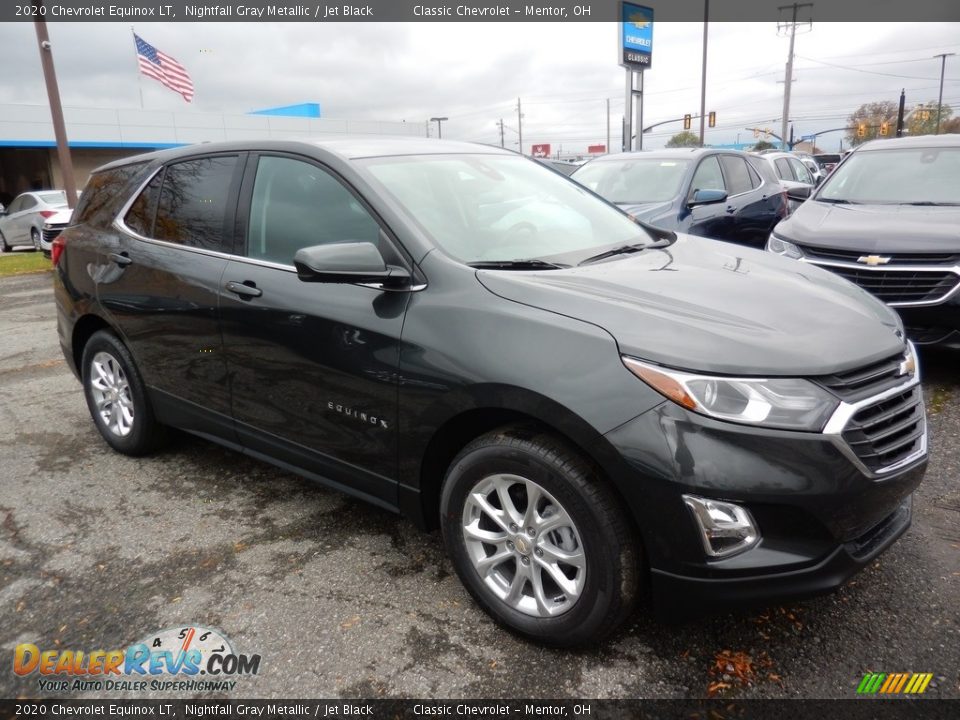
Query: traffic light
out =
(861, 130)
(686, 121)
(712, 119)
(884, 127)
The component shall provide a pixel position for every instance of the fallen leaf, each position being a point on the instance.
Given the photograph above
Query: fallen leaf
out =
(347, 624)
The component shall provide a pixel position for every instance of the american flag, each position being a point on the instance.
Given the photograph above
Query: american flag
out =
(164, 68)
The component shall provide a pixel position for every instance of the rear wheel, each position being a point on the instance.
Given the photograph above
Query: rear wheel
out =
(116, 397)
(35, 238)
(538, 538)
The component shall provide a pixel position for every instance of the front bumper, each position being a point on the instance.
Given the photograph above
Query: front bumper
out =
(821, 516)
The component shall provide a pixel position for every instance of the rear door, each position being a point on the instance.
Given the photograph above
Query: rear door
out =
(754, 212)
(160, 285)
(22, 218)
(313, 366)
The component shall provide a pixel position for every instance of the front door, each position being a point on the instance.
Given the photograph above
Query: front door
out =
(313, 366)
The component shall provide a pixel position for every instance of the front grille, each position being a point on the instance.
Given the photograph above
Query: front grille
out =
(901, 286)
(864, 382)
(888, 431)
(50, 234)
(907, 258)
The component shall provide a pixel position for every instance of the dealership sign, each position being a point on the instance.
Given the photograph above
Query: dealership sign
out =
(636, 36)
(541, 151)
(596, 149)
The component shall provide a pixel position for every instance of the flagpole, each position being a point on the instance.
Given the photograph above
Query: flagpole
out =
(136, 56)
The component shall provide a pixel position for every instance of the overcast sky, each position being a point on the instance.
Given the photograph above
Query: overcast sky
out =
(473, 73)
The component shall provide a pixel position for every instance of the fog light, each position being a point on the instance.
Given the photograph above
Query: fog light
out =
(725, 528)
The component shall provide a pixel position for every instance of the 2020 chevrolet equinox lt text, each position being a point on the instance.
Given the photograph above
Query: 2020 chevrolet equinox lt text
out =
(584, 405)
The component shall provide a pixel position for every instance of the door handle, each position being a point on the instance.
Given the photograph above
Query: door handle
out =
(121, 259)
(731, 209)
(243, 290)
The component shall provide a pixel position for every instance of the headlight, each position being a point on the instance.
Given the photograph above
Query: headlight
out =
(783, 247)
(787, 403)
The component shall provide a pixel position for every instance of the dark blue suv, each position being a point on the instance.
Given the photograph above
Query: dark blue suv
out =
(717, 194)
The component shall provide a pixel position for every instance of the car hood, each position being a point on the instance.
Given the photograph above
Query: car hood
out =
(874, 228)
(644, 211)
(717, 307)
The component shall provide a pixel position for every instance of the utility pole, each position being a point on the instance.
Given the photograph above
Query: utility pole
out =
(703, 77)
(943, 66)
(520, 125)
(501, 131)
(903, 102)
(788, 78)
(56, 109)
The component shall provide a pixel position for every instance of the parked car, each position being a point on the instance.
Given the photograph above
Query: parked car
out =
(888, 220)
(812, 165)
(793, 175)
(710, 193)
(828, 161)
(21, 222)
(52, 227)
(585, 405)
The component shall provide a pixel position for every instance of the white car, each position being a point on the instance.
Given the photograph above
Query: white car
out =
(22, 222)
(52, 227)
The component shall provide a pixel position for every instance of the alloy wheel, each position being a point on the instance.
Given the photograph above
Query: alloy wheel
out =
(524, 545)
(111, 394)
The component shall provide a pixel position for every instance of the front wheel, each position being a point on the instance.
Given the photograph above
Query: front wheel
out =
(117, 398)
(538, 538)
(35, 238)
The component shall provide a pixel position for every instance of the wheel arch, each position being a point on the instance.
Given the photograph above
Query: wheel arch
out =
(420, 494)
(83, 330)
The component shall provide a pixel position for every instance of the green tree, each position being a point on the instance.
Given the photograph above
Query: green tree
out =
(684, 139)
(764, 145)
(922, 120)
(872, 115)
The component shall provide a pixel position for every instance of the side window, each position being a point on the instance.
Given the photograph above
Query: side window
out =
(27, 202)
(708, 175)
(295, 205)
(104, 193)
(783, 169)
(736, 174)
(141, 214)
(755, 179)
(16, 205)
(800, 171)
(192, 209)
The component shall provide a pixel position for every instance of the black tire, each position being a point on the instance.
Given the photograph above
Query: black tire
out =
(609, 544)
(35, 238)
(3, 244)
(143, 434)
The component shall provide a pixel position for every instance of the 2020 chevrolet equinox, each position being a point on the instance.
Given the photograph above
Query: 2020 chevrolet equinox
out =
(584, 405)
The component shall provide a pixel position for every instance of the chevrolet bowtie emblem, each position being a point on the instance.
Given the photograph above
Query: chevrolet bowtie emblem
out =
(873, 260)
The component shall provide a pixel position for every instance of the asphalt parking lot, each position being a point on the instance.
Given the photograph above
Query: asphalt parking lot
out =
(340, 599)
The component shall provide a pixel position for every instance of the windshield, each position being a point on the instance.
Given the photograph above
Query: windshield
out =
(501, 207)
(902, 176)
(635, 180)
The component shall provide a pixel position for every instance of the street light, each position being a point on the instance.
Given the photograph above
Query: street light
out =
(438, 121)
(943, 66)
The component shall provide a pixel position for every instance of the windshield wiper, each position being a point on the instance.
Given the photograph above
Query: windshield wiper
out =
(529, 264)
(621, 250)
(930, 203)
(837, 201)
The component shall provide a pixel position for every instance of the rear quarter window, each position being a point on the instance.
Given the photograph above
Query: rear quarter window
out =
(104, 193)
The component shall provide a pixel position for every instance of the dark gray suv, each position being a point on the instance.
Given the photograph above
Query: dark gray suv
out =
(586, 406)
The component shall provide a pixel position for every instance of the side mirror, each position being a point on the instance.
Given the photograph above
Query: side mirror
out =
(349, 262)
(799, 192)
(707, 197)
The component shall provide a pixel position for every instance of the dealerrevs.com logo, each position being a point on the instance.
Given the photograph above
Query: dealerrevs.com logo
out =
(199, 658)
